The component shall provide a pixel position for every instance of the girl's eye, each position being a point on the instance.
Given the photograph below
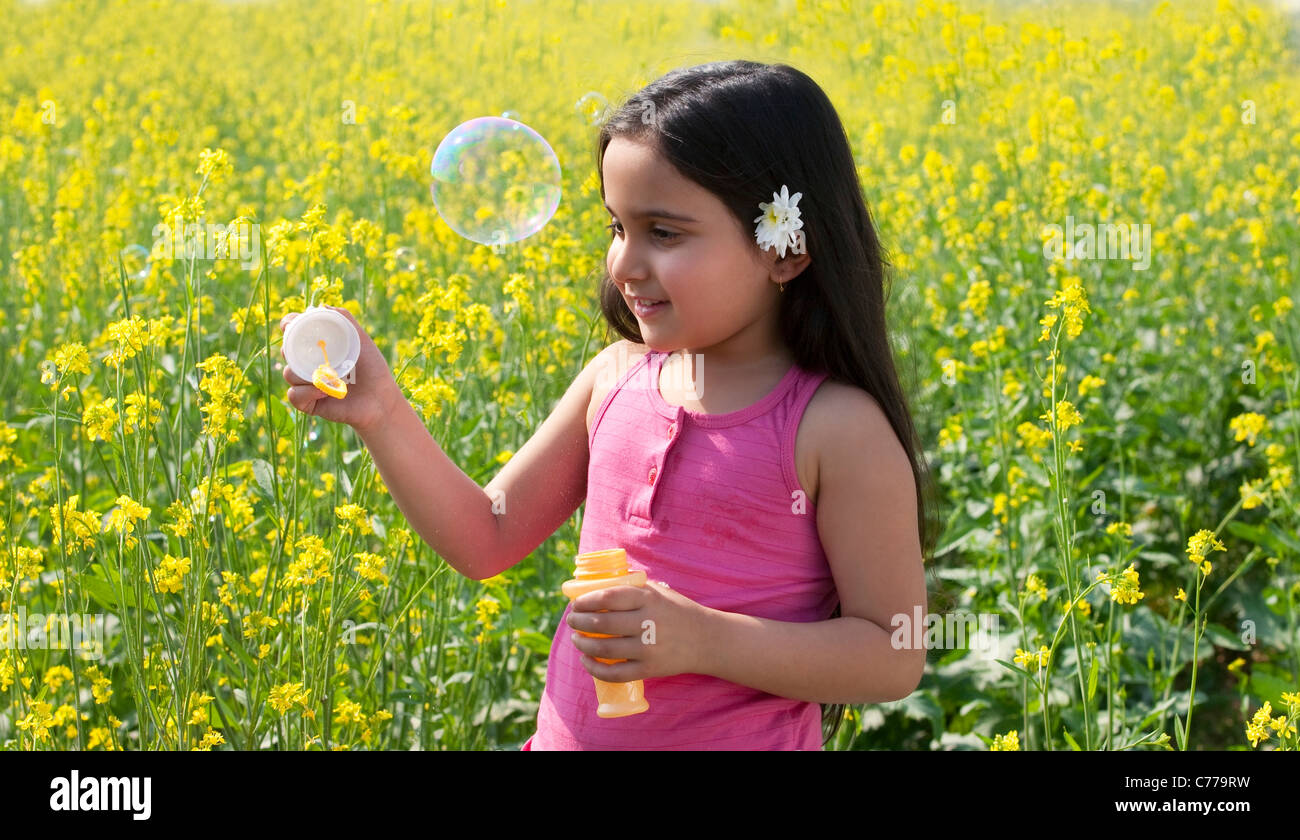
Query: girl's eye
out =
(666, 235)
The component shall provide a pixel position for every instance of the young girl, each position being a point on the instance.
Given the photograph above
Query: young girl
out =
(747, 442)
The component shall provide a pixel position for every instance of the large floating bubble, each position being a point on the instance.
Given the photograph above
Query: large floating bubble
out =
(495, 180)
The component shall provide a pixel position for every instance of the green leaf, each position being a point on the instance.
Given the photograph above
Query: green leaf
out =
(235, 646)
(536, 642)
(1274, 539)
(1092, 676)
(1225, 638)
(1266, 686)
(99, 590)
(921, 705)
(1182, 733)
(1014, 667)
(263, 475)
(1074, 745)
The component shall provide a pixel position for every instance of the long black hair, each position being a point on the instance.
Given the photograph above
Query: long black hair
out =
(742, 129)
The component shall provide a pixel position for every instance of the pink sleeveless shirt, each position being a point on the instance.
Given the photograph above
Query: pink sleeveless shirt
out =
(711, 505)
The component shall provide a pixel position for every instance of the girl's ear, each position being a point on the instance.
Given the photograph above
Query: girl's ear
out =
(785, 269)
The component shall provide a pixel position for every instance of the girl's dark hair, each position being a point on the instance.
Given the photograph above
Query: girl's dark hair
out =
(742, 129)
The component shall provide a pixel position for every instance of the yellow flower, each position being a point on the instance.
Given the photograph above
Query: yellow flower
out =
(1248, 426)
(519, 287)
(38, 721)
(99, 418)
(286, 695)
(56, 676)
(1201, 543)
(1251, 497)
(211, 738)
(485, 609)
(72, 357)
(83, 524)
(1090, 383)
(170, 574)
(1029, 658)
(354, 516)
(977, 298)
(1033, 584)
(123, 517)
(1006, 743)
(222, 382)
(1065, 415)
(1033, 436)
(1082, 607)
(214, 164)
(129, 336)
(1125, 590)
(1074, 303)
(951, 433)
(312, 563)
(371, 566)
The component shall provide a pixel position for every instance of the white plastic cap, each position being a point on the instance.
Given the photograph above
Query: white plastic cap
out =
(342, 342)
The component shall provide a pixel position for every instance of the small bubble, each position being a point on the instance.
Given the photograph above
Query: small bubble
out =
(136, 262)
(593, 107)
(510, 115)
(405, 259)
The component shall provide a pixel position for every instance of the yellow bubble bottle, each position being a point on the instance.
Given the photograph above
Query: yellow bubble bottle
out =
(600, 570)
(326, 379)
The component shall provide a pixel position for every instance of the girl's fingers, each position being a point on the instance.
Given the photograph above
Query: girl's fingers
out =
(610, 623)
(305, 397)
(613, 598)
(620, 648)
(291, 377)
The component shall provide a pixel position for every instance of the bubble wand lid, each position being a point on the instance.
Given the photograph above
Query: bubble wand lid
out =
(302, 339)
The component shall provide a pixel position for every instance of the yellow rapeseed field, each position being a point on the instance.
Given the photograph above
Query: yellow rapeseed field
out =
(1116, 435)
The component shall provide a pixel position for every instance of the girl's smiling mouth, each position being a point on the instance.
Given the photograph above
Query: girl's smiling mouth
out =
(646, 307)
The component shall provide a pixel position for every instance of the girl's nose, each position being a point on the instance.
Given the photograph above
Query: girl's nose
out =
(626, 266)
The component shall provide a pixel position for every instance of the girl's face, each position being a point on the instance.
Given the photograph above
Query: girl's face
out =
(675, 241)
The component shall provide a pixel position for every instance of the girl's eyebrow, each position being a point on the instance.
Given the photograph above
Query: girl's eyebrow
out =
(655, 213)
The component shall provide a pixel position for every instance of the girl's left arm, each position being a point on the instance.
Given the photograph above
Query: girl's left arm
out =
(867, 521)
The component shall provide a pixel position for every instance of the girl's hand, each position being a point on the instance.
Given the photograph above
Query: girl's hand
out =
(368, 401)
(658, 631)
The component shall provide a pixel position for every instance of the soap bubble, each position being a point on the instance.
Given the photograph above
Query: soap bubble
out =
(593, 107)
(135, 260)
(495, 180)
(405, 259)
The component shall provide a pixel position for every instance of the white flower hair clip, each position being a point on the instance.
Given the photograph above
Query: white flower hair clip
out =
(779, 226)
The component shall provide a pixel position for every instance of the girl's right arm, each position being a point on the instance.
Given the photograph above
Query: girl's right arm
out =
(480, 532)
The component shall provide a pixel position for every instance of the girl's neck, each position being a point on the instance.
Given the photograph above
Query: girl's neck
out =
(776, 358)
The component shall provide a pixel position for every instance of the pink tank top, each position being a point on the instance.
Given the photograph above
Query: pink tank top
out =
(711, 505)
